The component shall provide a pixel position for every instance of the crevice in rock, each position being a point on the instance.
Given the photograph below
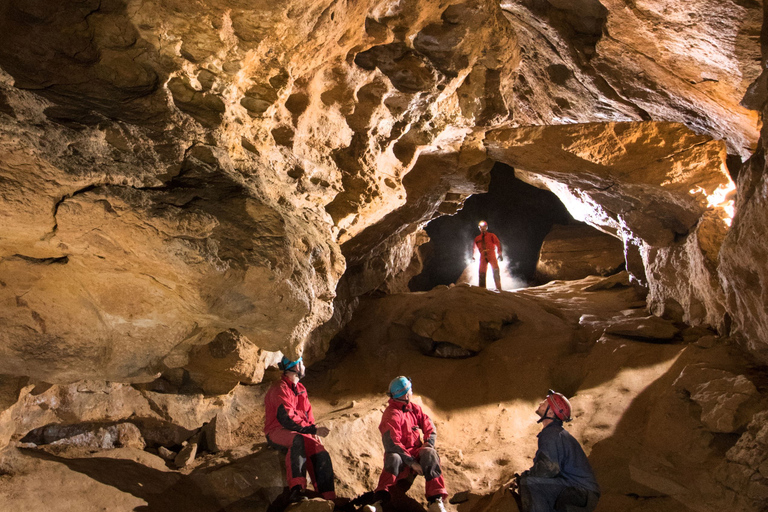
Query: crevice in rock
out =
(63, 260)
(61, 201)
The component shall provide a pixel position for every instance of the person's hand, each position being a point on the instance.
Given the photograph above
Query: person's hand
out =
(501, 258)
(323, 431)
(416, 467)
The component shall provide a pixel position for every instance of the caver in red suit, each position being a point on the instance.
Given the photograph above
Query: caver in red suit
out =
(289, 423)
(402, 426)
(487, 245)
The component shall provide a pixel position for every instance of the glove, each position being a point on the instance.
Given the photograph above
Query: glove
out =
(501, 258)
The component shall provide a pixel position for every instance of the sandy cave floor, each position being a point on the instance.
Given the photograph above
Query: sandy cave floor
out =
(643, 434)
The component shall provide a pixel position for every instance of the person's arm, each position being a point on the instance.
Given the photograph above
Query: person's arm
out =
(546, 462)
(427, 428)
(291, 419)
(390, 436)
(498, 245)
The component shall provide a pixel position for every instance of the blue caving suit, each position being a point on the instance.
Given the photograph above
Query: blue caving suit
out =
(561, 478)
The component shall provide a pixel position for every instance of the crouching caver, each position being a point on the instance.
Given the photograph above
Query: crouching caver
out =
(561, 478)
(401, 427)
(289, 423)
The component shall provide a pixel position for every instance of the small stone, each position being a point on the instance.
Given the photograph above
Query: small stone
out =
(186, 455)
(165, 453)
(460, 497)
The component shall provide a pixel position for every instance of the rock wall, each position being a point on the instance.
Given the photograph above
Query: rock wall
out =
(172, 170)
(651, 185)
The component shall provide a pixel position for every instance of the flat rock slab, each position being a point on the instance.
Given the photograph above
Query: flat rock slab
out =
(649, 327)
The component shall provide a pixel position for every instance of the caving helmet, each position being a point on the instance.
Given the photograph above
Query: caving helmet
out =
(399, 387)
(482, 225)
(287, 365)
(559, 405)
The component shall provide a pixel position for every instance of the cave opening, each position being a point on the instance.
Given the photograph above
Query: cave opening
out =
(520, 214)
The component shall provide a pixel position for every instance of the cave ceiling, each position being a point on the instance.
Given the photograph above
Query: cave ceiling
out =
(170, 170)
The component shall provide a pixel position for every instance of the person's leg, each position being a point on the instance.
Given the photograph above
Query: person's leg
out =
(320, 467)
(575, 499)
(481, 272)
(496, 273)
(430, 463)
(393, 466)
(295, 459)
(539, 494)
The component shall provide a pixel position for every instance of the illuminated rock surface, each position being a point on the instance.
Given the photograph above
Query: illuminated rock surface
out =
(171, 171)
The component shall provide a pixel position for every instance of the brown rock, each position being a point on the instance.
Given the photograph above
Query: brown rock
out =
(218, 433)
(187, 455)
(460, 331)
(577, 251)
(165, 453)
(226, 361)
(649, 327)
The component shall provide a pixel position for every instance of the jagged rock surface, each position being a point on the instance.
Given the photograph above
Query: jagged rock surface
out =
(578, 251)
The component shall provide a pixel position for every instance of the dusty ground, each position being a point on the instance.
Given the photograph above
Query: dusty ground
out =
(634, 414)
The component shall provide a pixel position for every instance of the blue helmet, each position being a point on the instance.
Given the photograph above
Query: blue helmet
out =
(286, 364)
(399, 387)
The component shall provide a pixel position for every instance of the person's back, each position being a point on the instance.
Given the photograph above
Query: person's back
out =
(572, 461)
(561, 478)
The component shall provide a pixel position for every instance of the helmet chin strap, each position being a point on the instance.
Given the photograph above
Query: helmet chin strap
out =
(544, 416)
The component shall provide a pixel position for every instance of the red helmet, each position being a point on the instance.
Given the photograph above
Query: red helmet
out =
(559, 405)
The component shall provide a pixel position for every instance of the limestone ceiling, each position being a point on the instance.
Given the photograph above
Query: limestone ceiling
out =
(173, 169)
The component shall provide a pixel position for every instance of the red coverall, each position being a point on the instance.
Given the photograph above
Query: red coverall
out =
(289, 423)
(488, 245)
(399, 429)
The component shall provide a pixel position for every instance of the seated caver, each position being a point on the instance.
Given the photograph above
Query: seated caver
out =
(402, 426)
(561, 478)
(289, 423)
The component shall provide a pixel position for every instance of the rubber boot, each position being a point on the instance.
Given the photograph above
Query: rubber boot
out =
(497, 278)
(481, 280)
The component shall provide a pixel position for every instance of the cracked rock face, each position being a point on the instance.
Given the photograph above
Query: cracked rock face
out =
(171, 170)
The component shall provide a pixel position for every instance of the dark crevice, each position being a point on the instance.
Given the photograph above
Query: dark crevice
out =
(63, 260)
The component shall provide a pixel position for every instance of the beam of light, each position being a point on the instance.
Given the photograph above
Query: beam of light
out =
(719, 198)
(508, 280)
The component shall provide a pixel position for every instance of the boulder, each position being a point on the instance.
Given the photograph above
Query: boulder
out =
(725, 402)
(571, 252)
(218, 433)
(226, 361)
(84, 435)
(647, 328)
(728, 401)
(449, 330)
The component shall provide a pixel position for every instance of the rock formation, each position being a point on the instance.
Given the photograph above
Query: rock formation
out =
(577, 251)
(190, 189)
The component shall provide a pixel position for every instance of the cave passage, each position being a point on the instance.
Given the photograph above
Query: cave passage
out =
(521, 215)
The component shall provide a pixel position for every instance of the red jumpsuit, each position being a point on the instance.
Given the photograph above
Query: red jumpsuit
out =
(488, 245)
(289, 423)
(399, 429)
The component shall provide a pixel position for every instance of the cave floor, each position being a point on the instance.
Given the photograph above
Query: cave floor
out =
(633, 414)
